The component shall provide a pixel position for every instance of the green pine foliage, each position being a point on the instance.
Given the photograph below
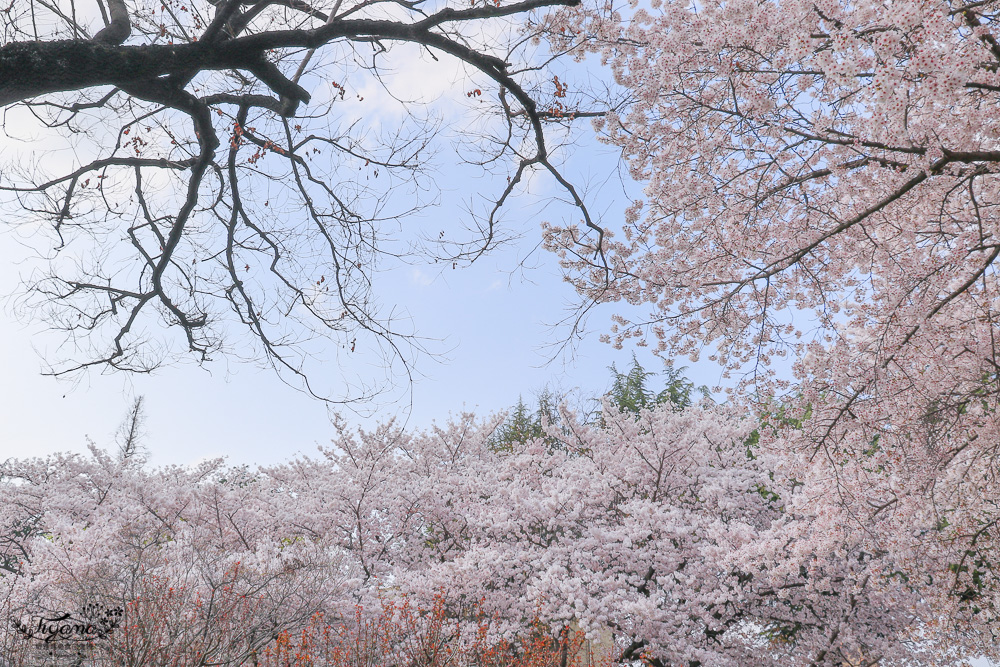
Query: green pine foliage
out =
(524, 424)
(630, 392)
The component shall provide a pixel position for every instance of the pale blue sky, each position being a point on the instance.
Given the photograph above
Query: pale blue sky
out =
(489, 325)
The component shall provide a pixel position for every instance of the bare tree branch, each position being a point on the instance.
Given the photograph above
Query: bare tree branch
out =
(283, 237)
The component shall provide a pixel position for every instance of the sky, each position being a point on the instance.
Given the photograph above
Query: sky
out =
(494, 327)
(490, 329)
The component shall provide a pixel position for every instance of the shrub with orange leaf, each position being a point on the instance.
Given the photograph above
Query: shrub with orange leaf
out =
(404, 634)
(175, 623)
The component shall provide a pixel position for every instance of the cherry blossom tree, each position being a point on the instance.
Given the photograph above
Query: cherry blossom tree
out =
(820, 185)
(835, 159)
(201, 564)
(216, 172)
(672, 527)
(680, 529)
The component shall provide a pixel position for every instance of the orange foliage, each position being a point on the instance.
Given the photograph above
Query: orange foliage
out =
(406, 635)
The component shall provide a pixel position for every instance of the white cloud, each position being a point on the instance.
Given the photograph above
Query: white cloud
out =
(420, 279)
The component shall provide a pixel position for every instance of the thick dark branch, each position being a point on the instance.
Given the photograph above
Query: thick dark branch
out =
(223, 13)
(449, 14)
(989, 40)
(29, 69)
(249, 100)
(269, 73)
(119, 28)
